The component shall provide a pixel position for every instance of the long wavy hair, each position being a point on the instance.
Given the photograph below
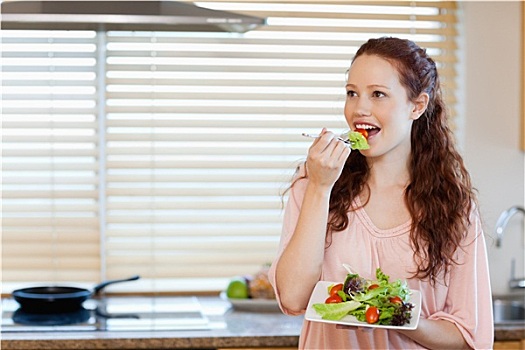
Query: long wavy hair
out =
(439, 195)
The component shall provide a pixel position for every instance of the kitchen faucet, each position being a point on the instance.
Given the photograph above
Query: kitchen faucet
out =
(500, 228)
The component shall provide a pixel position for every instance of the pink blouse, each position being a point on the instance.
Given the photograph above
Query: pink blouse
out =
(464, 298)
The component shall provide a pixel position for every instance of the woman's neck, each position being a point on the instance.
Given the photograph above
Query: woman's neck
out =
(389, 172)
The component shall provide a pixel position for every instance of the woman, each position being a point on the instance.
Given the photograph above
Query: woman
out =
(405, 205)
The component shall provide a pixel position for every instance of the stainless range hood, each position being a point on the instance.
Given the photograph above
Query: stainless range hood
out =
(122, 15)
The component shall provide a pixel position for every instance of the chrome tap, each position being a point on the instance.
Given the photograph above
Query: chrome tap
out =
(500, 228)
(503, 221)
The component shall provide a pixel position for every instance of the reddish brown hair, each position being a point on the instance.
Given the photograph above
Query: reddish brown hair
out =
(439, 196)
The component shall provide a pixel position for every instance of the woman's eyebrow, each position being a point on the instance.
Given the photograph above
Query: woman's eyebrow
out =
(379, 86)
(373, 86)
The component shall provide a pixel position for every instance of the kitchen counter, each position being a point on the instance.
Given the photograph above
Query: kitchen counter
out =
(509, 331)
(228, 328)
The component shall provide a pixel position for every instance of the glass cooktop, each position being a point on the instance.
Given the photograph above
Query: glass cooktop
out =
(111, 314)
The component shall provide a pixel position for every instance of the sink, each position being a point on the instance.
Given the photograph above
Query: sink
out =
(509, 310)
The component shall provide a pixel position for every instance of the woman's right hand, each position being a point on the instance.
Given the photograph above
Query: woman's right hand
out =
(326, 158)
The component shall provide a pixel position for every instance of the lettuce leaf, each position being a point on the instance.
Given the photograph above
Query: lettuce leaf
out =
(335, 311)
(357, 140)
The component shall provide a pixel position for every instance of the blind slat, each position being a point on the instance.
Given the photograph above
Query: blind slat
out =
(209, 204)
(224, 96)
(199, 80)
(46, 194)
(271, 191)
(448, 18)
(54, 235)
(217, 150)
(205, 138)
(51, 221)
(166, 46)
(46, 125)
(197, 218)
(227, 110)
(227, 123)
(202, 271)
(49, 153)
(65, 250)
(49, 167)
(200, 230)
(445, 31)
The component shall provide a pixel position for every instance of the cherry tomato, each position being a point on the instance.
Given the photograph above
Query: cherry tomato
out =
(336, 288)
(372, 314)
(373, 286)
(333, 299)
(363, 132)
(396, 300)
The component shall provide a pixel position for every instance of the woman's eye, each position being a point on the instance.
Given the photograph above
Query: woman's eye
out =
(378, 94)
(351, 93)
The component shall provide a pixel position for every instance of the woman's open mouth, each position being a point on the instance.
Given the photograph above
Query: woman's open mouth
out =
(370, 129)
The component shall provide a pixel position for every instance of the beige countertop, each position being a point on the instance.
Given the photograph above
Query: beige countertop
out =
(228, 329)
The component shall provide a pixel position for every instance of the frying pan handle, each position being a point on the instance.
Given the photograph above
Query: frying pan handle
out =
(102, 285)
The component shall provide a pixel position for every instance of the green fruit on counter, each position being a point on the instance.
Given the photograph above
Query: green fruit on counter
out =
(238, 288)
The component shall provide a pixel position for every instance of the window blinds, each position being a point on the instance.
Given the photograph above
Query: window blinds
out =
(49, 156)
(166, 154)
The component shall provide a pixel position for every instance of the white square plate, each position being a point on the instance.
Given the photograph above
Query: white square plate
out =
(320, 294)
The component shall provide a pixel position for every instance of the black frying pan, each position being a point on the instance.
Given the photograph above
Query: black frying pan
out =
(58, 299)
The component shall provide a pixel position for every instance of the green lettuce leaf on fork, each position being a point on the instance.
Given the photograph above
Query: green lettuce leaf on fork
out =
(357, 140)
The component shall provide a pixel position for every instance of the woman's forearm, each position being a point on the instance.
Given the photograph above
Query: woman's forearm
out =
(437, 334)
(300, 265)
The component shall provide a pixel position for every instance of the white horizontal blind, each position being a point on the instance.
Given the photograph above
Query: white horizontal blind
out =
(203, 134)
(49, 156)
(202, 131)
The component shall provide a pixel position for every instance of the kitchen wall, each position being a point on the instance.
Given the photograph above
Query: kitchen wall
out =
(489, 131)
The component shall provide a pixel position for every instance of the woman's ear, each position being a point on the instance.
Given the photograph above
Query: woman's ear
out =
(420, 105)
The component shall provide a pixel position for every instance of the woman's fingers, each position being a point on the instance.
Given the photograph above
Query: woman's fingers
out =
(323, 141)
(326, 158)
(329, 145)
(341, 151)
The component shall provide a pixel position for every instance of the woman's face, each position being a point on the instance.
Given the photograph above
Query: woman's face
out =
(377, 101)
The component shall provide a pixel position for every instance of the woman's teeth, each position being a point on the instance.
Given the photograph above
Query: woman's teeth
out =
(372, 130)
(365, 126)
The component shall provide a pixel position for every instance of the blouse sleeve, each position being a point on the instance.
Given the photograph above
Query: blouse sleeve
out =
(291, 216)
(469, 299)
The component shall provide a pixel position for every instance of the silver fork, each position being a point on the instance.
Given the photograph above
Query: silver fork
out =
(314, 136)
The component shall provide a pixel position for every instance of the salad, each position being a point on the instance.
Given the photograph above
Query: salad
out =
(358, 139)
(373, 302)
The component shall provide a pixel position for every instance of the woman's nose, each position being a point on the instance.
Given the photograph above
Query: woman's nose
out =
(363, 105)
